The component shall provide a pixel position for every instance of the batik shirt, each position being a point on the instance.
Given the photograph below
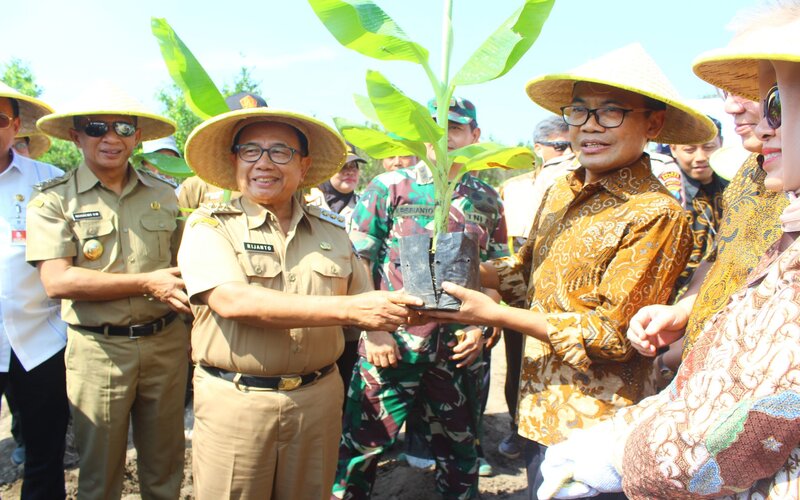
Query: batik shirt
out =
(597, 253)
(400, 203)
(749, 226)
(729, 424)
(704, 203)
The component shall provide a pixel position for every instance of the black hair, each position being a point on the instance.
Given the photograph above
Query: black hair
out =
(301, 137)
(14, 106)
(654, 104)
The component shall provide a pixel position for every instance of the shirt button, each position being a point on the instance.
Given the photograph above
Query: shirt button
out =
(124, 229)
(258, 270)
(292, 277)
(161, 225)
(334, 271)
(131, 259)
(93, 230)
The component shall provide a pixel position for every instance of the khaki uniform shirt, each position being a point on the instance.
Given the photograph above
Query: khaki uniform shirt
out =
(194, 191)
(242, 242)
(598, 253)
(75, 216)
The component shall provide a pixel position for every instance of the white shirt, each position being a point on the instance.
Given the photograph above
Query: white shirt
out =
(30, 322)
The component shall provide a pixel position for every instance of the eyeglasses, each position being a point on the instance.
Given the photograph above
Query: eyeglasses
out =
(96, 128)
(772, 108)
(5, 121)
(280, 155)
(607, 116)
(559, 146)
(722, 93)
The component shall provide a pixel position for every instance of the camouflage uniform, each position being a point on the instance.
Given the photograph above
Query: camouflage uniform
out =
(396, 204)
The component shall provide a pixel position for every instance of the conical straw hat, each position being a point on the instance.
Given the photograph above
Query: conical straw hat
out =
(734, 68)
(30, 109)
(629, 68)
(208, 148)
(104, 98)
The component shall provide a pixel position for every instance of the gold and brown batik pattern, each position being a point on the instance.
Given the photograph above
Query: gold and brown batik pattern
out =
(597, 254)
(749, 226)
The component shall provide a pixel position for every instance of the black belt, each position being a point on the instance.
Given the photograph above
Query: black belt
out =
(134, 331)
(283, 383)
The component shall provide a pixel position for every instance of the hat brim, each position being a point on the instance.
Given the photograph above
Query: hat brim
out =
(682, 124)
(736, 71)
(208, 148)
(30, 109)
(151, 126)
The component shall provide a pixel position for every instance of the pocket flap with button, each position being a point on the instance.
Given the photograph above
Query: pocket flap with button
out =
(262, 265)
(325, 266)
(159, 223)
(93, 228)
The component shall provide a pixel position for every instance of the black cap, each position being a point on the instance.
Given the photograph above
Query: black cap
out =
(242, 100)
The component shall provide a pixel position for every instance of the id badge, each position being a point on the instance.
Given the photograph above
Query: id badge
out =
(18, 232)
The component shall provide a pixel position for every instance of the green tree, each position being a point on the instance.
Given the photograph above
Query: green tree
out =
(17, 74)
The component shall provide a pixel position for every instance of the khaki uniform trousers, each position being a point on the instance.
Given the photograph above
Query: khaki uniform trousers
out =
(112, 381)
(257, 444)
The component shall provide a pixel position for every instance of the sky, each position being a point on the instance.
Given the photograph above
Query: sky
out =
(301, 66)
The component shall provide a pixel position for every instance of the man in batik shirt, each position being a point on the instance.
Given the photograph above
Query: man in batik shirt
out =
(607, 240)
(702, 191)
(417, 365)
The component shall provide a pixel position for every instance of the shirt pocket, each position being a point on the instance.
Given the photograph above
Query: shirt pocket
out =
(157, 236)
(330, 274)
(261, 269)
(97, 246)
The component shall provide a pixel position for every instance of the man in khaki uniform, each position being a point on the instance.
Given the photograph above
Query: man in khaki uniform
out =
(271, 282)
(102, 237)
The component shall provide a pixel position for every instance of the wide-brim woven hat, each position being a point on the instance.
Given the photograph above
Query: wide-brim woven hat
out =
(30, 109)
(38, 144)
(629, 68)
(105, 98)
(734, 68)
(208, 148)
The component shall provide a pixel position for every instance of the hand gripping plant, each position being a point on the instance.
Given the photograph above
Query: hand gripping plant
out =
(363, 26)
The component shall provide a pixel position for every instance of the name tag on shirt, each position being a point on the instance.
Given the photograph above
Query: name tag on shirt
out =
(18, 232)
(258, 247)
(85, 215)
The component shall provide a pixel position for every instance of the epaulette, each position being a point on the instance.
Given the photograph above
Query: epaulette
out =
(220, 209)
(55, 181)
(158, 177)
(327, 215)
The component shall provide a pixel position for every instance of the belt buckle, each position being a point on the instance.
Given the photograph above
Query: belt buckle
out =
(131, 334)
(290, 383)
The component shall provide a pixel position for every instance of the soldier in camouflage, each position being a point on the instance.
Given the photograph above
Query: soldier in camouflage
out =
(423, 363)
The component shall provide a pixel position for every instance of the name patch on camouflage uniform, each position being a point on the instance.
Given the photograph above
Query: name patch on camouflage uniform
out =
(413, 210)
(86, 215)
(258, 247)
(477, 218)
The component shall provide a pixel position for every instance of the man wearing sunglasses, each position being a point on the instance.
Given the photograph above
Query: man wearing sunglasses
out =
(32, 335)
(104, 239)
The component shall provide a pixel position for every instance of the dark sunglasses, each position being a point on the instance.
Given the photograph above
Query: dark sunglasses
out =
(5, 121)
(772, 108)
(559, 146)
(96, 128)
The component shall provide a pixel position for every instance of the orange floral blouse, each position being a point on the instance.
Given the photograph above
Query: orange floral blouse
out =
(597, 254)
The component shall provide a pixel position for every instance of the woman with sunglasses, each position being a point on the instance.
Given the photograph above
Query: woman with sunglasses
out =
(729, 424)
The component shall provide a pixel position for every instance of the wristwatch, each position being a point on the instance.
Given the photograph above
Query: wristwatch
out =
(666, 372)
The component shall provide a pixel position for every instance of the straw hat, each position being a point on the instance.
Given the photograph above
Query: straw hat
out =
(38, 144)
(629, 68)
(104, 98)
(735, 67)
(208, 148)
(30, 109)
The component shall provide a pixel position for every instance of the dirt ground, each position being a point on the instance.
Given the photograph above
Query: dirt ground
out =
(395, 479)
